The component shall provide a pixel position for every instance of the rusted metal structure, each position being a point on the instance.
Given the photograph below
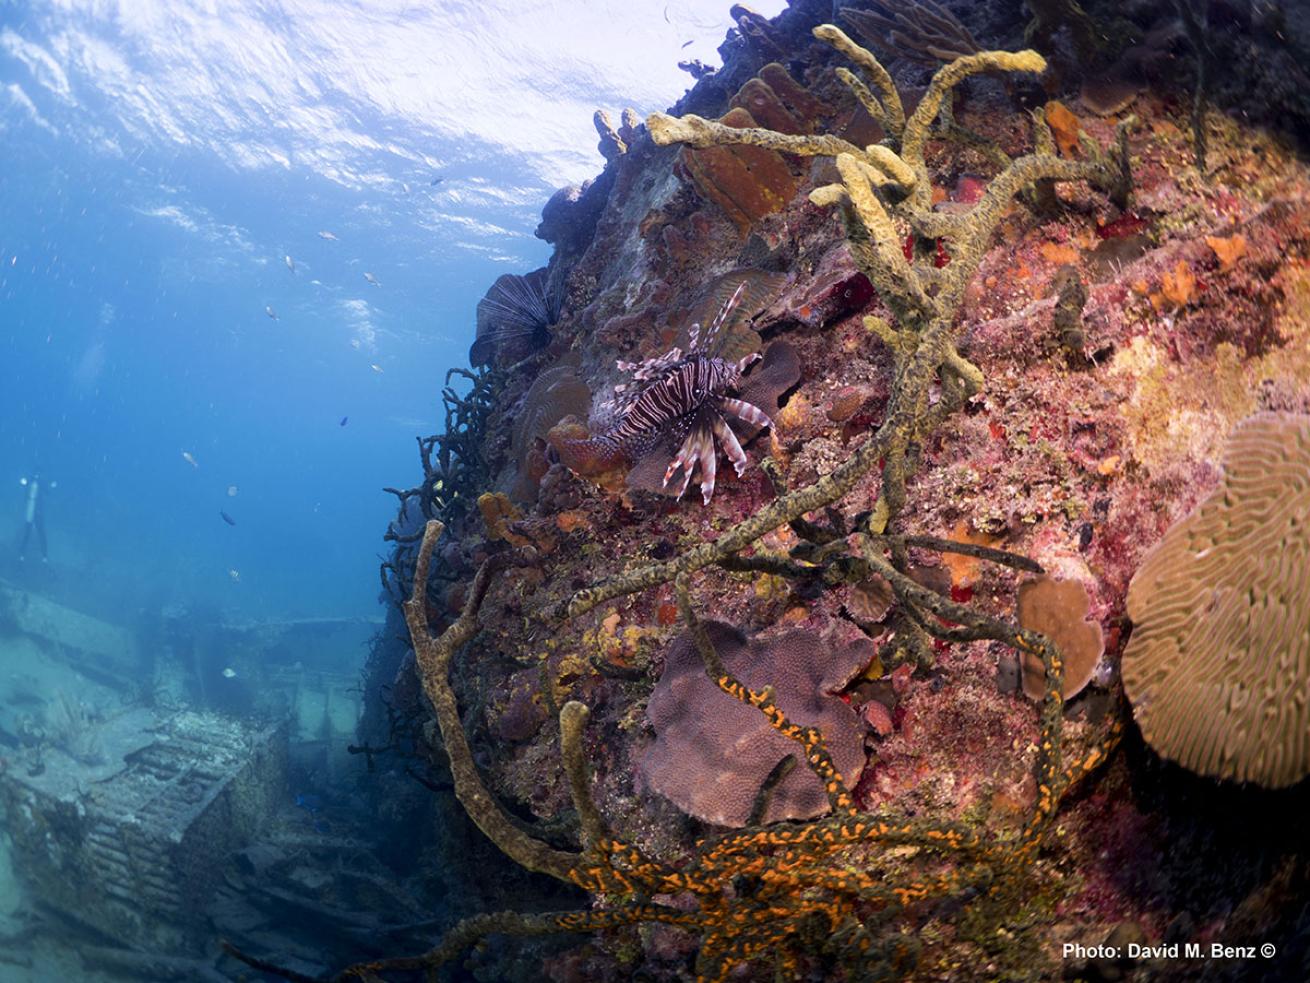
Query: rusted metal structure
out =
(132, 843)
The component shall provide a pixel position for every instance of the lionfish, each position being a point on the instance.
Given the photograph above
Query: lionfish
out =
(684, 399)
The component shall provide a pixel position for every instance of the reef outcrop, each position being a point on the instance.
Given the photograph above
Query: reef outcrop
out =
(1016, 344)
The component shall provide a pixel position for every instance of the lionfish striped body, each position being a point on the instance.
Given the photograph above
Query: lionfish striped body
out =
(683, 399)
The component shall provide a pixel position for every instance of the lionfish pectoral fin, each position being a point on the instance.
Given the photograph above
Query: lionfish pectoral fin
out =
(671, 470)
(682, 459)
(731, 446)
(687, 469)
(747, 412)
(748, 361)
(708, 468)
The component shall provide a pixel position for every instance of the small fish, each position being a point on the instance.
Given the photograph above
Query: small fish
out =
(375, 367)
(190, 459)
(229, 673)
(404, 186)
(344, 419)
(329, 236)
(227, 518)
(291, 263)
(235, 575)
(231, 491)
(372, 279)
(437, 180)
(270, 312)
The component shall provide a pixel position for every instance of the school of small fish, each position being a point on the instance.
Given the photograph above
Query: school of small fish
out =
(290, 263)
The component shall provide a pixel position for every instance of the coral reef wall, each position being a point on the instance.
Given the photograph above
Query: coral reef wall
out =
(1106, 346)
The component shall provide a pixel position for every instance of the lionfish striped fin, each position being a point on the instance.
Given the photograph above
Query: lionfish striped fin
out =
(703, 340)
(731, 446)
(746, 412)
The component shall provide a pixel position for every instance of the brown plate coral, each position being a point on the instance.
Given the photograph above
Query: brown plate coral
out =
(712, 753)
(1058, 609)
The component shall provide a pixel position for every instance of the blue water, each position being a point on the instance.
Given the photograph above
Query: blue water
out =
(129, 340)
(169, 174)
(159, 161)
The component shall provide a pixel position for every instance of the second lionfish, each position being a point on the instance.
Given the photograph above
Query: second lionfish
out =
(681, 406)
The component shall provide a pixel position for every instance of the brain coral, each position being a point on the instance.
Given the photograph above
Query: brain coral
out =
(1218, 666)
(711, 753)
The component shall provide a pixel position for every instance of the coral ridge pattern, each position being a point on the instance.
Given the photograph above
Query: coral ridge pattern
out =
(1229, 585)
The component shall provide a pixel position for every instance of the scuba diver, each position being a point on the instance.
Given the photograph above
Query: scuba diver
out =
(34, 517)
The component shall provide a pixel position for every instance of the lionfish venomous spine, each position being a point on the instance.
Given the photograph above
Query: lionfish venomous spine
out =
(684, 399)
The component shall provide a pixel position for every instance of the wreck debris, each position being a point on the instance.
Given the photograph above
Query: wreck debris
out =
(134, 842)
(1215, 666)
